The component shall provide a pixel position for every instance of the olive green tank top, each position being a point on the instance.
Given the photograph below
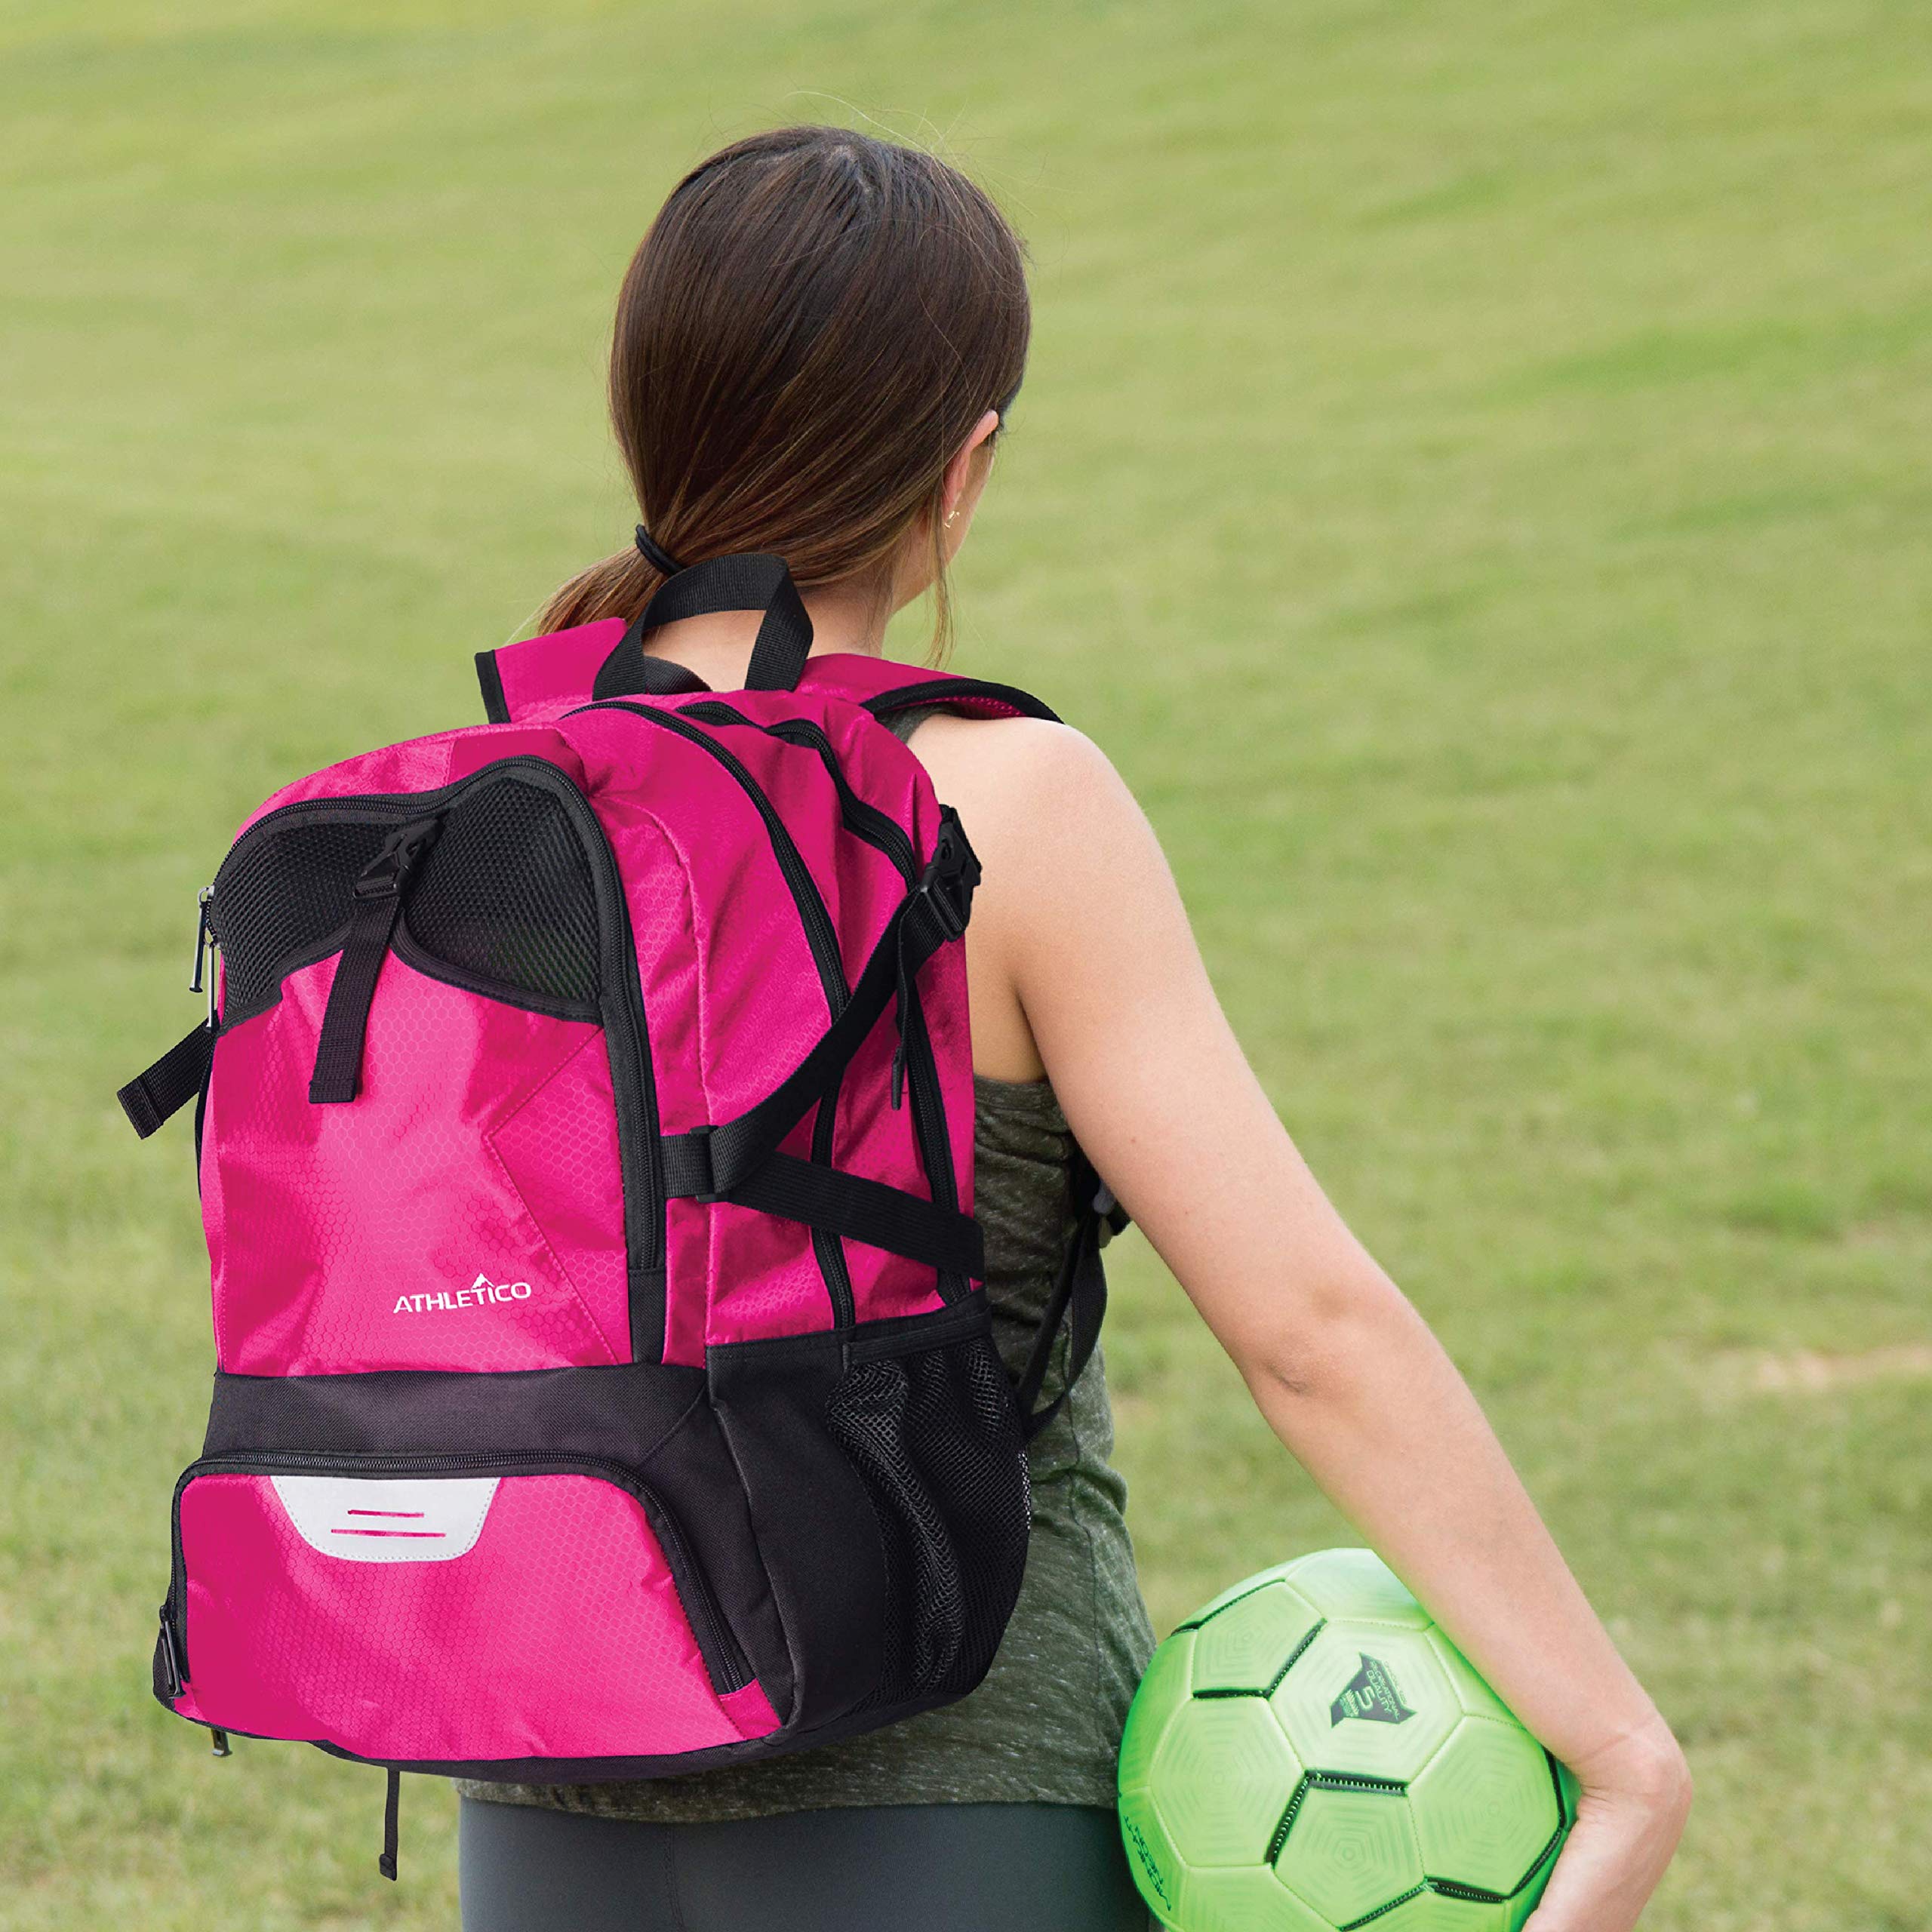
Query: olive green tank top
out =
(1044, 1727)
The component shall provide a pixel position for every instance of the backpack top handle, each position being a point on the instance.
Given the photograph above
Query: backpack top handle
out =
(756, 581)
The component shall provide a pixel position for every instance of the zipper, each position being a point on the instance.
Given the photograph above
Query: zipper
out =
(725, 1659)
(957, 690)
(633, 1079)
(820, 937)
(929, 1125)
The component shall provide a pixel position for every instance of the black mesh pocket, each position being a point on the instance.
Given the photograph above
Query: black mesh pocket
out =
(503, 901)
(505, 896)
(935, 1440)
(283, 899)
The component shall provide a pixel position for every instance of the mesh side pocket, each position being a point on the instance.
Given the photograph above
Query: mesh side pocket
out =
(505, 895)
(934, 1437)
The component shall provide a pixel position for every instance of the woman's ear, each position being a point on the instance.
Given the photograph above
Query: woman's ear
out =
(960, 489)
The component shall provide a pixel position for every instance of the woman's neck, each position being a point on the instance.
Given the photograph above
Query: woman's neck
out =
(718, 647)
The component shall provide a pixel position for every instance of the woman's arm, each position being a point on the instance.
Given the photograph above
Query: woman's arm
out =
(1079, 917)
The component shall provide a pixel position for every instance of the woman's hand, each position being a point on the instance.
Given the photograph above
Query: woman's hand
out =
(1630, 1815)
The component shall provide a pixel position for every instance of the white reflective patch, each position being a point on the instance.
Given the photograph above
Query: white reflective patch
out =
(372, 1519)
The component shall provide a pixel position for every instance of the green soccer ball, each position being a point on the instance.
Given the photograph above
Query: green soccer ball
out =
(1310, 1754)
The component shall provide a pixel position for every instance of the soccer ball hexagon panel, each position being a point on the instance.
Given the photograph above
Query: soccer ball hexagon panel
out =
(1249, 1644)
(1487, 1811)
(1220, 1770)
(1326, 1757)
(1349, 1852)
(1356, 1584)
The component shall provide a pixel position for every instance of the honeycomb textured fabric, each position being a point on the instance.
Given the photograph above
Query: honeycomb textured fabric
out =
(1044, 1727)
(298, 1636)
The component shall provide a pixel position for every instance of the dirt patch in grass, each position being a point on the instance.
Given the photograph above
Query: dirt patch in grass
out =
(1813, 1372)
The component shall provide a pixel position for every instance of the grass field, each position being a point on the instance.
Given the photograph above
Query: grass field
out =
(1474, 479)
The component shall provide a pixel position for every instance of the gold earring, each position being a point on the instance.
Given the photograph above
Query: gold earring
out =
(950, 514)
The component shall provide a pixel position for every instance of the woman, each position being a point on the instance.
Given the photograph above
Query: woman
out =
(816, 347)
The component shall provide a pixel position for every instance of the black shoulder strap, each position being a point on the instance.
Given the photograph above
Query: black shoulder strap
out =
(756, 582)
(949, 690)
(1080, 1291)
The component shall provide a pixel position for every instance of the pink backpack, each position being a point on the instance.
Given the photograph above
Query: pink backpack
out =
(604, 1382)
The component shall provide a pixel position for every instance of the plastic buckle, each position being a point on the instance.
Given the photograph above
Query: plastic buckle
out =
(950, 880)
(1112, 1216)
(384, 873)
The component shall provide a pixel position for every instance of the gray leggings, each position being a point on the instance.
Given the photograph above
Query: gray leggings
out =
(937, 1868)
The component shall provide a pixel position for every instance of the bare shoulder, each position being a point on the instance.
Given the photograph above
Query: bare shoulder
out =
(1050, 819)
(1022, 775)
(1056, 830)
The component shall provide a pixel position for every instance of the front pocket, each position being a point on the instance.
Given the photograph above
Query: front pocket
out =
(491, 1197)
(456, 1611)
(465, 1214)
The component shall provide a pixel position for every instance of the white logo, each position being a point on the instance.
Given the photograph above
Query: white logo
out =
(479, 1293)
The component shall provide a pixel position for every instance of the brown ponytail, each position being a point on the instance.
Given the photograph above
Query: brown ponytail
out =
(807, 336)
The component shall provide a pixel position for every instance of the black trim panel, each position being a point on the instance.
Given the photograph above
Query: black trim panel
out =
(490, 679)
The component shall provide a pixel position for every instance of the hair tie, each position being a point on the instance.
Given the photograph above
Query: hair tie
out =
(654, 554)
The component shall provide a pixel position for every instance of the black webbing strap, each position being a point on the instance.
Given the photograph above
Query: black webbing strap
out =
(1080, 1288)
(843, 1204)
(337, 1077)
(738, 1161)
(167, 1086)
(392, 1805)
(489, 681)
(754, 582)
(948, 689)
(928, 916)
(628, 673)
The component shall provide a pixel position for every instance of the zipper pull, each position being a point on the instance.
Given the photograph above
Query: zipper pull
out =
(172, 1674)
(204, 944)
(204, 936)
(220, 1741)
(386, 1864)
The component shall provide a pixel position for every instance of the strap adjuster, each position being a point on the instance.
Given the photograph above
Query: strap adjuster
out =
(948, 883)
(697, 1139)
(1112, 1218)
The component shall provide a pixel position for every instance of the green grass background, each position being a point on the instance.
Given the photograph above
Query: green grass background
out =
(1473, 478)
